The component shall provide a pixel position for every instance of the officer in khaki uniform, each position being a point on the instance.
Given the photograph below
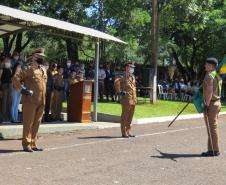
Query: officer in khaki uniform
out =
(33, 100)
(126, 89)
(58, 94)
(211, 95)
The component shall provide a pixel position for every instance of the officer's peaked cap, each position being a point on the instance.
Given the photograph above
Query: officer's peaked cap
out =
(39, 51)
(130, 64)
(212, 60)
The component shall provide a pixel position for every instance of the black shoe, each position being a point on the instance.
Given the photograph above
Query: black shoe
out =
(27, 149)
(125, 136)
(131, 135)
(37, 149)
(210, 153)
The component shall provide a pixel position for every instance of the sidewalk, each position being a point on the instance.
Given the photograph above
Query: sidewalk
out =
(15, 131)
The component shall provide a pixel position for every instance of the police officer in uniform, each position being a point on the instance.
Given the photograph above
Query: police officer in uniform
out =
(126, 89)
(33, 100)
(58, 95)
(211, 95)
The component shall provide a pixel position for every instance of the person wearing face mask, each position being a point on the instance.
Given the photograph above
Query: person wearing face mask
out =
(101, 77)
(7, 88)
(15, 58)
(32, 85)
(82, 69)
(16, 96)
(49, 92)
(109, 83)
(126, 88)
(66, 74)
(58, 95)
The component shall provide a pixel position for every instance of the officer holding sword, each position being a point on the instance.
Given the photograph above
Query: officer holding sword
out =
(211, 96)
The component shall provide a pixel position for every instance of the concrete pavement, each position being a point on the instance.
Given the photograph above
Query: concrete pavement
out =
(157, 156)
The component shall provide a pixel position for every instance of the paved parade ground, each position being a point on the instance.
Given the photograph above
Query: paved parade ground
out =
(157, 156)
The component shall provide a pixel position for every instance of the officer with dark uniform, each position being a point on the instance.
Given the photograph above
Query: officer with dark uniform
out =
(126, 89)
(211, 95)
(33, 100)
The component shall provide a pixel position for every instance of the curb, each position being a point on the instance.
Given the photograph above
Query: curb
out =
(15, 131)
(170, 118)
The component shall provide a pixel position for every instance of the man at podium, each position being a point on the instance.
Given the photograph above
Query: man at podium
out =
(126, 89)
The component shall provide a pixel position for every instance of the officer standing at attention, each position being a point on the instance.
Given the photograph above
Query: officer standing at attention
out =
(126, 89)
(211, 95)
(33, 100)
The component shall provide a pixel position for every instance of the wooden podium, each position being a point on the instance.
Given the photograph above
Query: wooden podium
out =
(79, 102)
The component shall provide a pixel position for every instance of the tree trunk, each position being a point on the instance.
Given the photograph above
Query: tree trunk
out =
(178, 64)
(8, 43)
(19, 38)
(72, 50)
(154, 35)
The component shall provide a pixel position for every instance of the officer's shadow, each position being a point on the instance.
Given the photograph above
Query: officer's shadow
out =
(3, 151)
(100, 137)
(173, 157)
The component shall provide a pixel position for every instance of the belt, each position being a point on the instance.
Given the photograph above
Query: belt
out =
(215, 100)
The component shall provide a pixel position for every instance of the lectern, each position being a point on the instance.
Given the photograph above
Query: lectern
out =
(79, 102)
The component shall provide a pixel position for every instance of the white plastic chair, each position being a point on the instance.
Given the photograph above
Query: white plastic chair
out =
(161, 94)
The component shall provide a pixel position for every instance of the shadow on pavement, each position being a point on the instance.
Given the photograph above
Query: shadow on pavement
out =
(173, 157)
(9, 151)
(100, 137)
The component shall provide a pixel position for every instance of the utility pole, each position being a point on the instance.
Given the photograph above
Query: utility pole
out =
(154, 51)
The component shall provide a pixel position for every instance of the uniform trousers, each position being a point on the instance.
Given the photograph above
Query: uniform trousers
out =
(32, 117)
(101, 89)
(126, 117)
(56, 106)
(212, 115)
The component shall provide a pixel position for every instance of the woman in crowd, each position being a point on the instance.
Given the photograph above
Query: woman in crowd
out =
(7, 87)
(16, 96)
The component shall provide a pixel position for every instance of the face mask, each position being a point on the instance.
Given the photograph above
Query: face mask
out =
(18, 69)
(131, 70)
(7, 65)
(16, 57)
(68, 64)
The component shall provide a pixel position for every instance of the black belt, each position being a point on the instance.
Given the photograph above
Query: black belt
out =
(215, 100)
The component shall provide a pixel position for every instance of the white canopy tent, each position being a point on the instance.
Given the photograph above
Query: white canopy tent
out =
(14, 21)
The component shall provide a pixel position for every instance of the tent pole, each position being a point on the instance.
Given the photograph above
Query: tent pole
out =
(97, 60)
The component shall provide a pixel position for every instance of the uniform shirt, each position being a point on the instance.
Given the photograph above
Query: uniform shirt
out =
(58, 82)
(128, 84)
(34, 79)
(72, 81)
(109, 76)
(209, 80)
(101, 74)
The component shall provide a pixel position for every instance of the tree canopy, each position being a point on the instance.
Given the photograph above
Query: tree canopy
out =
(189, 31)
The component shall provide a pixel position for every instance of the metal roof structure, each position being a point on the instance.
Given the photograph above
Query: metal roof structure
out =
(15, 21)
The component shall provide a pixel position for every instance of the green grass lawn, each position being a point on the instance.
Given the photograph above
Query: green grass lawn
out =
(162, 108)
